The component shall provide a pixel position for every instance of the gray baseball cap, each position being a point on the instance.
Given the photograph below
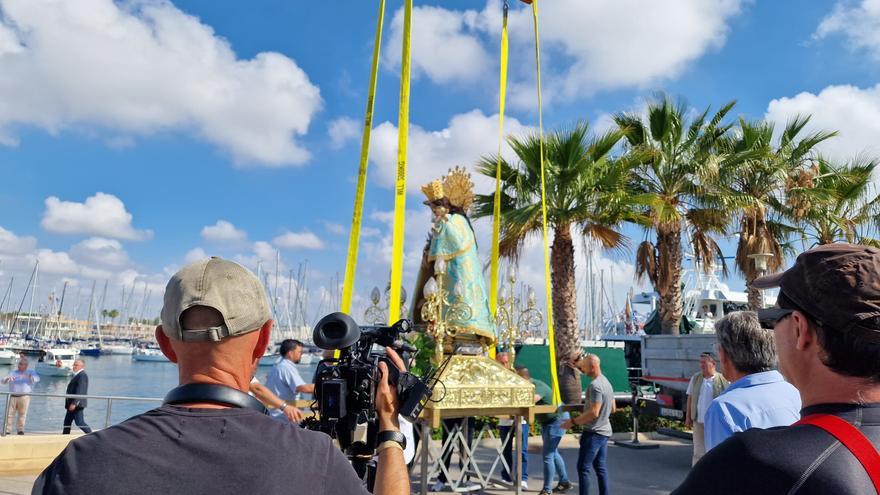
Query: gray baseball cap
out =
(216, 283)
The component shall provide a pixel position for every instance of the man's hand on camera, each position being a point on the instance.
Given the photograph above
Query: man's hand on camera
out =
(386, 398)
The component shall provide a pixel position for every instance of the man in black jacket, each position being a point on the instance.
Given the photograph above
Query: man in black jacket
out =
(79, 385)
(826, 328)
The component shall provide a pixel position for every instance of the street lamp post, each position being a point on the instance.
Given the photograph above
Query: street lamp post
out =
(510, 319)
(761, 260)
(377, 313)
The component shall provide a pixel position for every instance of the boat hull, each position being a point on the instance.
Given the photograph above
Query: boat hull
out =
(47, 369)
(151, 358)
(8, 358)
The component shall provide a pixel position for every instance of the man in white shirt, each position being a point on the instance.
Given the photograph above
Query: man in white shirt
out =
(704, 386)
(285, 380)
(20, 383)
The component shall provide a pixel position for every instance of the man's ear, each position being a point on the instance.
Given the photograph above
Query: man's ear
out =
(263, 341)
(805, 334)
(165, 344)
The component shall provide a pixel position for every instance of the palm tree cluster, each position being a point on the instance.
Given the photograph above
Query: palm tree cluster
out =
(687, 178)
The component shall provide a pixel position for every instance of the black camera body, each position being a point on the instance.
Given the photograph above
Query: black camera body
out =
(346, 387)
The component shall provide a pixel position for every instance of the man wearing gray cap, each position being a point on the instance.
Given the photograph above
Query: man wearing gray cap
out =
(827, 331)
(210, 436)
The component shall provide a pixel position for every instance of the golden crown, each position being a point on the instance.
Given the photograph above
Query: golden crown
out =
(459, 188)
(433, 190)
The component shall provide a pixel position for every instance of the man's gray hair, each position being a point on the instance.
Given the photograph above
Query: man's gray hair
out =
(748, 346)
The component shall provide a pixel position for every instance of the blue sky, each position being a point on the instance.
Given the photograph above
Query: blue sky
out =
(149, 122)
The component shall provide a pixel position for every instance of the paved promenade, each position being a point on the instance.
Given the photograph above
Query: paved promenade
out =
(633, 472)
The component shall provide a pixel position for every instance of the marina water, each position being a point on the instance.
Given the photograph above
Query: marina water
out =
(115, 375)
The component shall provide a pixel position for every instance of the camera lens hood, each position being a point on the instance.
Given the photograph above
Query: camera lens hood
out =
(336, 331)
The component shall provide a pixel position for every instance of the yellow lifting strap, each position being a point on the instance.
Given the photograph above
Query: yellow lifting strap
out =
(496, 210)
(400, 184)
(354, 237)
(551, 338)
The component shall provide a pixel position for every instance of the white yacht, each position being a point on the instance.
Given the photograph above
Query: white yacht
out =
(57, 362)
(8, 357)
(149, 354)
(121, 349)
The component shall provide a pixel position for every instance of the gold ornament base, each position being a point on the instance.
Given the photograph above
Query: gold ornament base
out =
(477, 382)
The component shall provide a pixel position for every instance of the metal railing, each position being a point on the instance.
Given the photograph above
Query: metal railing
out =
(108, 398)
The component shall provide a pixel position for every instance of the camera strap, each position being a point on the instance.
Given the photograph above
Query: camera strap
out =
(217, 394)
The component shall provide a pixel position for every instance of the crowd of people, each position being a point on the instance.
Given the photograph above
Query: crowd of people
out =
(788, 402)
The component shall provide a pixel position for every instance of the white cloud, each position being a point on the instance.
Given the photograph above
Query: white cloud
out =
(101, 215)
(853, 111)
(195, 254)
(144, 67)
(264, 251)
(445, 45)
(608, 47)
(99, 251)
(298, 240)
(223, 231)
(587, 46)
(343, 130)
(859, 24)
(14, 244)
(431, 154)
(336, 228)
(56, 263)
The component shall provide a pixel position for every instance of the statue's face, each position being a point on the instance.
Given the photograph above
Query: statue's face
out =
(439, 211)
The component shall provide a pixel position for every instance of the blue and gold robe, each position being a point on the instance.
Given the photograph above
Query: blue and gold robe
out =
(454, 241)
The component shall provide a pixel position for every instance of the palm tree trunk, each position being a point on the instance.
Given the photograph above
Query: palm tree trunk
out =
(756, 297)
(669, 279)
(564, 304)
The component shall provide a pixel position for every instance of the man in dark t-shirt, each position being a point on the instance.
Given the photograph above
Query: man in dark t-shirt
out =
(827, 333)
(210, 436)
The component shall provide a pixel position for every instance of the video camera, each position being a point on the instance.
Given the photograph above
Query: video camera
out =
(346, 387)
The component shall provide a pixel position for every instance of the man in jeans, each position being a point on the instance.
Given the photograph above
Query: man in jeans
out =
(596, 426)
(505, 432)
(551, 433)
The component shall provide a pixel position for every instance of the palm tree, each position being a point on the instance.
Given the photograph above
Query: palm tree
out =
(842, 204)
(676, 184)
(758, 181)
(585, 190)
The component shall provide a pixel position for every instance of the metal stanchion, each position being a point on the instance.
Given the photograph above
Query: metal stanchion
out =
(516, 476)
(635, 443)
(6, 414)
(109, 408)
(425, 441)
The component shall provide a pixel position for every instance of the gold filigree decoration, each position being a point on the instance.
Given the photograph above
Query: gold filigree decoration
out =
(459, 188)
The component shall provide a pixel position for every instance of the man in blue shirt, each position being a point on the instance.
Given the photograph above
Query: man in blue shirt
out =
(20, 383)
(758, 396)
(284, 380)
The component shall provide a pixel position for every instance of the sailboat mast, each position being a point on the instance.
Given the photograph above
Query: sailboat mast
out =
(89, 313)
(33, 291)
